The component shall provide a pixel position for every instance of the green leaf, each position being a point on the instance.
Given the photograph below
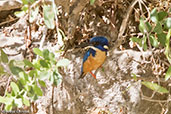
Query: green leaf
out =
(1, 70)
(49, 16)
(135, 39)
(43, 63)
(155, 87)
(37, 90)
(19, 13)
(33, 73)
(28, 88)
(102, 69)
(37, 65)
(33, 14)
(25, 2)
(31, 1)
(44, 75)
(18, 102)
(25, 8)
(38, 51)
(26, 101)
(141, 42)
(168, 74)
(14, 87)
(52, 78)
(153, 41)
(154, 15)
(42, 83)
(8, 107)
(92, 2)
(148, 26)
(35, 97)
(63, 62)
(4, 57)
(60, 41)
(28, 63)
(162, 15)
(162, 38)
(168, 23)
(11, 63)
(168, 50)
(51, 56)
(134, 76)
(16, 70)
(6, 100)
(3, 100)
(9, 97)
(55, 78)
(46, 54)
(144, 43)
(158, 28)
(142, 26)
(23, 78)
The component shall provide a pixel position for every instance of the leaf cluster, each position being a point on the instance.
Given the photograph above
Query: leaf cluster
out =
(156, 29)
(27, 86)
(156, 32)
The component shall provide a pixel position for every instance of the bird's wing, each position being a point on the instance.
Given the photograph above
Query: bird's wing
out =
(87, 54)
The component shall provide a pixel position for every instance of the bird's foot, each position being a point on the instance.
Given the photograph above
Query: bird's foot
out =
(93, 74)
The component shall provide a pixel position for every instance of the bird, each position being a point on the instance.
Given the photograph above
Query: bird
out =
(95, 56)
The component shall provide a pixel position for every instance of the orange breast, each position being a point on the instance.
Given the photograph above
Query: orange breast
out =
(92, 63)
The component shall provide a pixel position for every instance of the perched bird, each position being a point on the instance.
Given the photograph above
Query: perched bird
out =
(95, 56)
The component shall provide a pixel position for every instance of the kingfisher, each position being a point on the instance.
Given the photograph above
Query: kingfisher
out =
(95, 56)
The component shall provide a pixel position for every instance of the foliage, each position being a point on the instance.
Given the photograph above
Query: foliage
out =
(168, 74)
(49, 16)
(155, 87)
(152, 86)
(155, 29)
(156, 32)
(92, 2)
(27, 87)
(48, 12)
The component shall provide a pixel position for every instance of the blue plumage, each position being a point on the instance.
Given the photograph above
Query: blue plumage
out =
(102, 40)
(87, 54)
(100, 43)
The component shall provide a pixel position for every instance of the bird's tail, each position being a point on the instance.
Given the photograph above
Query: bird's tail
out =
(82, 75)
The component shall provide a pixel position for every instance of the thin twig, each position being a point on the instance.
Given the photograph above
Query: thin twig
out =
(8, 83)
(142, 2)
(154, 100)
(9, 21)
(56, 18)
(146, 33)
(124, 25)
(43, 37)
(139, 2)
(166, 63)
(52, 99)
(28, 38)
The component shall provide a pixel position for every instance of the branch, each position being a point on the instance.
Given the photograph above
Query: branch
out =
(124, 25)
